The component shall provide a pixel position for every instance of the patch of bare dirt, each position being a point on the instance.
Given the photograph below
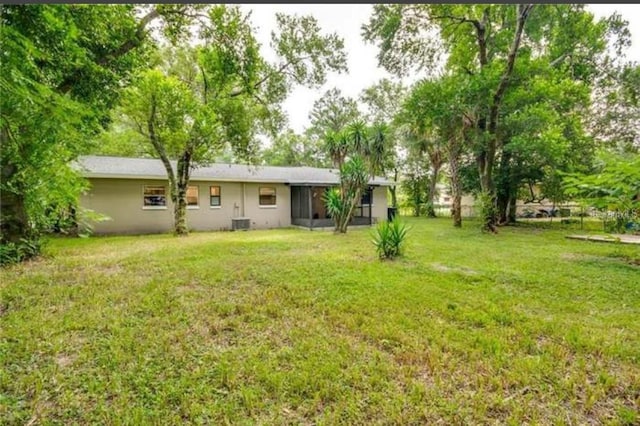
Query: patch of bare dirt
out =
(64, 360)
(456, 269)
(579, 256)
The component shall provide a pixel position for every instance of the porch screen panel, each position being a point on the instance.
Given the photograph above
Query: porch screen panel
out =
(299, 202)
(295, 202)
(304, 202)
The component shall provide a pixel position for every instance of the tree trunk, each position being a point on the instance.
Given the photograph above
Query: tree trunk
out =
(456, 210)
(507, 189)
(484, 162)
(346, 217)
(507, 205)
(14, 222)
(511, 217)
(178, 181)
(503, 207)
(180, 195)
(416, 198)
(456, 185)
(431, 188)
(392, 189)
(394, 196)
(180, 212)
(504, 187)
(487, 156)
(488, 196)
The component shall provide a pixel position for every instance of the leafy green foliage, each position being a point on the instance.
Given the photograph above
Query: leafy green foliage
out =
(508, 54)
(359, 152)
(436, 119)
(201, 101)
(384, 100)
(615, 113)
(334, 201)
(543, 134)
(614, 186)
(331, 113)
(389, 238)
(61, 72)
(486, 208)
(85, 220)
(341, 202)
(292, 149)
(414, 185)
(15, 252)
(402, 33)
(322, 53)
(120, 140)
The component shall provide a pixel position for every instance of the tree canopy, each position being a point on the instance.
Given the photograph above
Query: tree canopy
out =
(222, 93)
(504, 50)
(61, 72)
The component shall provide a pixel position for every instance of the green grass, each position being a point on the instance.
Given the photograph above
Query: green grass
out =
(292, 326)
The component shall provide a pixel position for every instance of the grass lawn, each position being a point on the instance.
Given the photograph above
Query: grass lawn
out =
(292, 326)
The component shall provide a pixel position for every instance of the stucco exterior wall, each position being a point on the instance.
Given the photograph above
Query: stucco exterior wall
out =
(262, 217)
(122, 201)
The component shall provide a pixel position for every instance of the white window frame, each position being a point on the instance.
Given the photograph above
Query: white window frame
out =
(154, 207)
(268, 206)
(219, 206)
(197, 205)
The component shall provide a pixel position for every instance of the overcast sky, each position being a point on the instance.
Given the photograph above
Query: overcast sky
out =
(346, 20)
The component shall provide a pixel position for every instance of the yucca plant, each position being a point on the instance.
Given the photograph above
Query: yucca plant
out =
(389, 237)
(341, 202)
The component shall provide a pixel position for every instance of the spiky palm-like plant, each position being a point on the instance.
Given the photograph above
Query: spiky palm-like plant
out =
(389, 238)
(341, 201)
(358, 151)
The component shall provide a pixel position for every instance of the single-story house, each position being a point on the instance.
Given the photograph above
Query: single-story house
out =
(134, 194)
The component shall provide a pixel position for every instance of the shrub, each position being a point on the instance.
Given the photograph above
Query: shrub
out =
(17, 252)
(389, 237)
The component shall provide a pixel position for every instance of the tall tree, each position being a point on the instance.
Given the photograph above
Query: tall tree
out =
(331, 113)
(439, 114)
(61, 71)
(543, 134)
(460, 27)
(422, 143)
(223, 92)
(487, 42)
(383, 100)
(615, 112)
(291, 149)
(415, 178)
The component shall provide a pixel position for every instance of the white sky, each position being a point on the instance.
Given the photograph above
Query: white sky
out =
(346, 20)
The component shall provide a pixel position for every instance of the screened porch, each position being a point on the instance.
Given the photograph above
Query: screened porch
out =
(308, 208)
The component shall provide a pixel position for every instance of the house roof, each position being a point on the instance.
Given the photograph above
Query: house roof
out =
(93, 166)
